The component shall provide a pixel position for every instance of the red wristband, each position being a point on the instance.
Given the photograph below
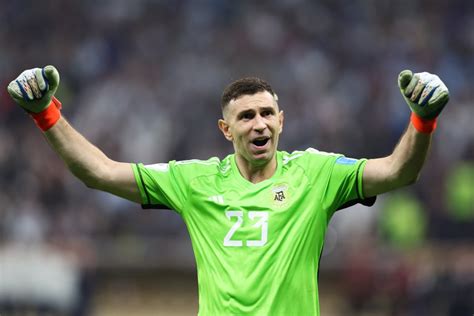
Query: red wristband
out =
(49, 116)
(423, 125)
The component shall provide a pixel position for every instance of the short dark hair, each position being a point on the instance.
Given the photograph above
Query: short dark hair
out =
(244, 86)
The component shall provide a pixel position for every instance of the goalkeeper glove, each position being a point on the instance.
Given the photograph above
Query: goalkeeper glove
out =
(34, 91)
(426, 95)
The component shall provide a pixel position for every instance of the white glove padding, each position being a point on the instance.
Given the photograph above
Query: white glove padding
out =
(425, 93)
(34, 88)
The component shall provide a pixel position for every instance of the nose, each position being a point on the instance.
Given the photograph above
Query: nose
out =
(260, 124)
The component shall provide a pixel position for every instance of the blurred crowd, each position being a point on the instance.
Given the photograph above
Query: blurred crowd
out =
(142, 80)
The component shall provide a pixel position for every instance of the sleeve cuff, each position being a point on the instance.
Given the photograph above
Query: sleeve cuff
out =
(141, 184)
(359, 177)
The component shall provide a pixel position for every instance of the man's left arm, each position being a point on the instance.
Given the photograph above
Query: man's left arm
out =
(426, 96)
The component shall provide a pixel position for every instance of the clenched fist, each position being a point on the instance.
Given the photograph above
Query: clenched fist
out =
(34, 88)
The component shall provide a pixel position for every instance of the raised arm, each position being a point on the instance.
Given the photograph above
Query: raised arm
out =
(426, 95)
(34, 91)
(89, 164)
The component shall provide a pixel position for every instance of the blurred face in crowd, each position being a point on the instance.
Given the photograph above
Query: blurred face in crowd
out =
(253, 124)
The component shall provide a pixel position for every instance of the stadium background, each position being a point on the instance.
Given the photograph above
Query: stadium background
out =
(142, 80)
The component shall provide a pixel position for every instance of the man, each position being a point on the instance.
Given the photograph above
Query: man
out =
(257, 218)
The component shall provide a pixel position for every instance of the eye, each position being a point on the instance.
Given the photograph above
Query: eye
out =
(267, 113)
(247, 116)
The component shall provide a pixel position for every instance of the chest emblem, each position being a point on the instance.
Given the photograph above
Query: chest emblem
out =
(280, 194)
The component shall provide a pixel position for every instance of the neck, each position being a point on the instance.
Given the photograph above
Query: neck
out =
(256, 173)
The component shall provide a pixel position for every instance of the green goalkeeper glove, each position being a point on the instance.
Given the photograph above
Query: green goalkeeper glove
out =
(34, 88)
(34, 91)
(425, 93)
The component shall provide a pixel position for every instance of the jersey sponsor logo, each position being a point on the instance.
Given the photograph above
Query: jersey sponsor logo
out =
(346, 161)
(162, 167)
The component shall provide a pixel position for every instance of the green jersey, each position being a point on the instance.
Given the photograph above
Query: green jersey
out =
(257, 246)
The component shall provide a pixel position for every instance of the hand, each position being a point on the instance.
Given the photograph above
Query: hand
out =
(34, 88)
(425, 93)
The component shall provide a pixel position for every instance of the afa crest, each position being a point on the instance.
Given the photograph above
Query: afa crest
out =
(280, 194)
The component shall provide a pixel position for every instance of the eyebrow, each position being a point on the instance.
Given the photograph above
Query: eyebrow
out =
(268, 108)
(265, 108)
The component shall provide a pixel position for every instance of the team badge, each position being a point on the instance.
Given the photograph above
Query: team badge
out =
(280, 194)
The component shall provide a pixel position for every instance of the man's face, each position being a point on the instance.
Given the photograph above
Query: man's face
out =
(253, 124)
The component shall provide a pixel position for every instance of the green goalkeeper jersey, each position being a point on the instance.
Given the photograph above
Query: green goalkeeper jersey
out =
(257, 246)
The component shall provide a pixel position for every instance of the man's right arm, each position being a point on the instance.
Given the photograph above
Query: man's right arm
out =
(34, 91)
(91, 165)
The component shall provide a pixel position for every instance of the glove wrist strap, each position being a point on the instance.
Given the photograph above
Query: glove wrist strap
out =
(49, 116)
(425, 126)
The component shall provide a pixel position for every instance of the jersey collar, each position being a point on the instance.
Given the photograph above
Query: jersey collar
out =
(237, 175)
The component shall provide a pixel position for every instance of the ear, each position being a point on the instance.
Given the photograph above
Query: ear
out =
(224, 127)
(281, 117)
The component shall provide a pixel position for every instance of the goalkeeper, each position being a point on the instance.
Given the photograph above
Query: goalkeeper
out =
(256, 218)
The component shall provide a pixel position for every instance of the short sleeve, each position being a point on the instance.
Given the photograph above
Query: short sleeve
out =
(345, 182)
(162, 185)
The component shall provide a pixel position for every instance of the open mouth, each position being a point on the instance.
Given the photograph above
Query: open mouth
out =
(262, 141)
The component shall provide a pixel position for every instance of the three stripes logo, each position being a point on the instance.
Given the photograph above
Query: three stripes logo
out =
(219, 199)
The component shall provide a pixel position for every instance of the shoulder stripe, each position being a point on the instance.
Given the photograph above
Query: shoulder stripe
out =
(211, 161)
(298, 153)
(318, 152)
(291, 157)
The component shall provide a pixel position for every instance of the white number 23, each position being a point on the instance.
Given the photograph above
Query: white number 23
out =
(261, 218)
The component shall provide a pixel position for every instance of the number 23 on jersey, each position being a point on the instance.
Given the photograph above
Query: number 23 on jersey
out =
(260, 222)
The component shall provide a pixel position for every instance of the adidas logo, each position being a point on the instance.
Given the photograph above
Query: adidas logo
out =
(219, 199)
